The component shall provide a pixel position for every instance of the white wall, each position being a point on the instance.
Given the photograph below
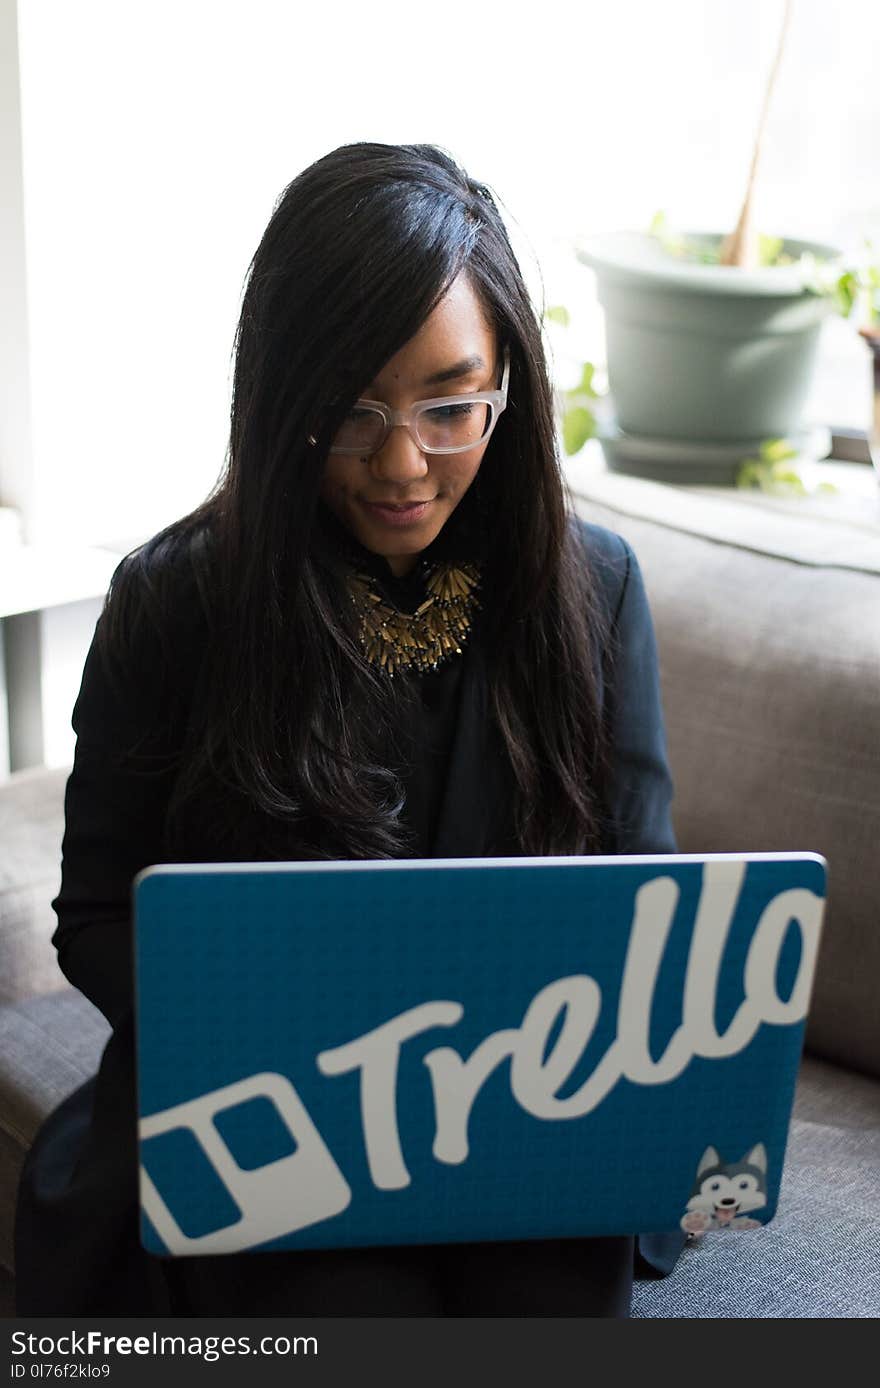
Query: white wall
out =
(16, 455)
(157, 136)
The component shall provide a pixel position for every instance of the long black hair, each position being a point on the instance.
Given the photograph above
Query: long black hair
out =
(360, 248)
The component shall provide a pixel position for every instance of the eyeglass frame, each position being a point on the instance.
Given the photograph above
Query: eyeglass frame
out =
(393, 418)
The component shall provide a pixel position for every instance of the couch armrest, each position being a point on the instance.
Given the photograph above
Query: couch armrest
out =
(770, 671)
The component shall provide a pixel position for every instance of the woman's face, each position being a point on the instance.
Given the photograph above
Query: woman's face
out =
(456, 335)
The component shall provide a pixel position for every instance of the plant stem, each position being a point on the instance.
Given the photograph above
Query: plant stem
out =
(741, 246)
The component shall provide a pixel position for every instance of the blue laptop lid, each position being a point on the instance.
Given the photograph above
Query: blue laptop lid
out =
(342, 1054)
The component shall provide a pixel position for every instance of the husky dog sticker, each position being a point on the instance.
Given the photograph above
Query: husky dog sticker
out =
(723, 1195)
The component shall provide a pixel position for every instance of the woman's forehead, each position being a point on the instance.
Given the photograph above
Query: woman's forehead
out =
(455, 345)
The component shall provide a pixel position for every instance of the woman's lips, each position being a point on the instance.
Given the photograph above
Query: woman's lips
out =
(408, 514)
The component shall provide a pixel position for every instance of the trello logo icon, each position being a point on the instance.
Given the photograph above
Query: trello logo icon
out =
(237, 1167)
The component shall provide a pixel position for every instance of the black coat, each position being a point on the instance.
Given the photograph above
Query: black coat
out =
(77, 1249)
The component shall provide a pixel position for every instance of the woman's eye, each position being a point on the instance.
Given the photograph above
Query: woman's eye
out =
(451, 411)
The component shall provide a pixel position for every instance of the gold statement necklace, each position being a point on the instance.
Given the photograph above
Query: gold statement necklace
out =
(420, 640)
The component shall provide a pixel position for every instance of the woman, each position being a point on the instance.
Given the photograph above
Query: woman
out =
(381, 636)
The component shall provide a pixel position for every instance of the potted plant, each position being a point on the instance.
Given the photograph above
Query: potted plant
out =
(711, 339)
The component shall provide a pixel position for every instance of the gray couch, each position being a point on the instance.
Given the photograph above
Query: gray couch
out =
(770, 673)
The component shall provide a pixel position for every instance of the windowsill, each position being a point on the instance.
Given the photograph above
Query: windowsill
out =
(840, 530)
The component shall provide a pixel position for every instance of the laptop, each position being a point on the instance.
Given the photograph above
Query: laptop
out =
(416, 1052)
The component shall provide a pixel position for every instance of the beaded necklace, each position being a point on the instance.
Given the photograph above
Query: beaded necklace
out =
(421, 640)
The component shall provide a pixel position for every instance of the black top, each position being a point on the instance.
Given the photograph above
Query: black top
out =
(448, 752)
(426, 705)
(425, 711)
(77, 1249)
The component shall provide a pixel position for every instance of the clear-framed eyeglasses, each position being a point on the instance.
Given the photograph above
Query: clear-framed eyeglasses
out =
(446, 424)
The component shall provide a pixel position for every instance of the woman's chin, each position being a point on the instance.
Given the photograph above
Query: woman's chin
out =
(403, 543)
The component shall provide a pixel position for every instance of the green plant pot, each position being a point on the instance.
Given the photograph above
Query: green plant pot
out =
(706, 353)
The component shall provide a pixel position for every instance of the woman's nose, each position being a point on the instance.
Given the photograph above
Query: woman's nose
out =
(399, 459)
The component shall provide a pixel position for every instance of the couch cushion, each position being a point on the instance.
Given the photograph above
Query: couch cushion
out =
(49, 1046)
(820, 1256)
(770, 671)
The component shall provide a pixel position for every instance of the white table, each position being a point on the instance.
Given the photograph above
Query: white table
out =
(50, 599)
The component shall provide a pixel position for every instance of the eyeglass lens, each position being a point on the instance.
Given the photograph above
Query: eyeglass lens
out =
(461, 424)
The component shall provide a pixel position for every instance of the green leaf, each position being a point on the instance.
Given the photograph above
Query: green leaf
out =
(787, 478)
(846, 292)
(578, 425)
(749, 473)
(584, 391)
(772, 472)
(558, 314)
(671, 243)
(776, 450)
(769, 249)
(587, 387)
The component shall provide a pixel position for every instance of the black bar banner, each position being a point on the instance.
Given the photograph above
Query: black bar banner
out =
(382, 1352)
(324, 1351)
